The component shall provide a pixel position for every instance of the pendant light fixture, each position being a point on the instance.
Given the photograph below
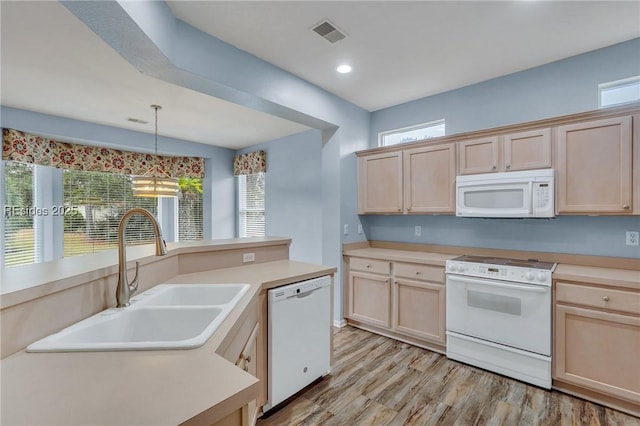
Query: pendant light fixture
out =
(156, 182)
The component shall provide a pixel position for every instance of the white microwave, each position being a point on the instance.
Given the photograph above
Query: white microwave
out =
(523, 194)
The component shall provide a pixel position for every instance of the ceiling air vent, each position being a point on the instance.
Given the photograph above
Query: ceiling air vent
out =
(328, 31)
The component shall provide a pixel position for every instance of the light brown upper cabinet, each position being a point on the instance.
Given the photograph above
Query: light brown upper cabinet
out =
(594, 167)
(430, 179)
(526, 150)
(479, 156)
(380, 183)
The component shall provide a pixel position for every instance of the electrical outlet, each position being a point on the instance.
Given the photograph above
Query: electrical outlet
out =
(248, 257)
(360, 229)
(418, 231)
(633, 238)
(346, 229)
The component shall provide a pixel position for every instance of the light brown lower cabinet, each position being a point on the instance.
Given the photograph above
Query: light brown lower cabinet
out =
(598, 350)
(248, 361)
(597, 343)
(402, 300)
(418, 309)
(369, 298)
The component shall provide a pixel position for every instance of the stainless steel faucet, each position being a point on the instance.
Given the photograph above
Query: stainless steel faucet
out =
(125, 289)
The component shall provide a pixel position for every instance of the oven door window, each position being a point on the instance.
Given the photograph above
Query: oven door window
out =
(494, 302)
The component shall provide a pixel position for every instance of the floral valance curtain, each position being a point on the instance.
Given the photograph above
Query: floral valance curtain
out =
(249, 164)
(27, 148)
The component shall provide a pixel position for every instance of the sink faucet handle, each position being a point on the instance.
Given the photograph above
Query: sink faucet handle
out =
(133, 285)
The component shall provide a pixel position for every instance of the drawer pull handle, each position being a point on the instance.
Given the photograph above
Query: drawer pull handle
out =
(494, 168)
(626, 207)
(368, 266)
(605, 298)
(508, 166)
(417, 272)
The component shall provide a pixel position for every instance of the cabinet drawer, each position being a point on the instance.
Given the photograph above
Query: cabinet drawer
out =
(419, 272)
(598, 297)
(370, 265)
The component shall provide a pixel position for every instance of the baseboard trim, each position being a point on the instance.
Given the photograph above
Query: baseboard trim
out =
(340, 323)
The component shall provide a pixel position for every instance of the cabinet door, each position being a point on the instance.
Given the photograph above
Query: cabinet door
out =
(478, 156)
(598, 350)
(248, 361)
(380, 183)
(594, 166)
(430, 179)
(527, 150)
(419, 309)
(369, 297)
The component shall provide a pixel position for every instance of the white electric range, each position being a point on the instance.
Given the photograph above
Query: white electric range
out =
(499, 316)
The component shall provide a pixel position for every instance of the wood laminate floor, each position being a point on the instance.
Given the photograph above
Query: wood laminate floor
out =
(380, 381)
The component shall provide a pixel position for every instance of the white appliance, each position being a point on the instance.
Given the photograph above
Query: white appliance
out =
(299, 337)
(499, 316)
(523, 194)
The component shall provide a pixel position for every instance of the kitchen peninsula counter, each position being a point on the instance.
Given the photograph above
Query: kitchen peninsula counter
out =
(195, 386)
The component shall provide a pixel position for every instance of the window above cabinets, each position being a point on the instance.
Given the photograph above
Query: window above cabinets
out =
(619, 92)
(418, 132)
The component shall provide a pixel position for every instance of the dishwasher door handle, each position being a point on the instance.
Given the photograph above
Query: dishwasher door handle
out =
(305, 294)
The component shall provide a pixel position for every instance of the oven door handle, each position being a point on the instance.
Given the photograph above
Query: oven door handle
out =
(530, 288)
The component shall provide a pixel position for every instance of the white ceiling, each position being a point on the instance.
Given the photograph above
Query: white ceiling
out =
(400, 51)
(52, 63)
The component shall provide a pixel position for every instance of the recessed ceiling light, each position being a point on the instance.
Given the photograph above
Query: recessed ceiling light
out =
(343, 69)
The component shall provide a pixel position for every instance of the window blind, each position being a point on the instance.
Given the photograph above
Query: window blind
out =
(94, 203)
(19, 239)
(251, 196)
(190, 209)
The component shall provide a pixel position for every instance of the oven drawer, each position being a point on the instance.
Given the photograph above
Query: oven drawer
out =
(374, 266)
(598, 297)
(419, 272)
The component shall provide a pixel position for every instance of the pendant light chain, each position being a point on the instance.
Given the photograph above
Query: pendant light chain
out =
(152, 185)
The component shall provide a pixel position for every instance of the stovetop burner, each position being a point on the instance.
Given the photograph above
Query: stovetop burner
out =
(529, 263)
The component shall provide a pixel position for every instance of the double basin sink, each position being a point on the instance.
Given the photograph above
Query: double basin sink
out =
(168, 316)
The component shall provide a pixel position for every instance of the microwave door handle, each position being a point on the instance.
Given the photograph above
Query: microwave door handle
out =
(478, 281)
(531, 198)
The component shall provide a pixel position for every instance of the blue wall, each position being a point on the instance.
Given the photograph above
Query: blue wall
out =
(564, 87)
(559, 88)
(293, 204)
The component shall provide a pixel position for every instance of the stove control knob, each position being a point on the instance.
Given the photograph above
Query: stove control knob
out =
(453, 267)
(541, 277)
(462, 268)
(529, 275)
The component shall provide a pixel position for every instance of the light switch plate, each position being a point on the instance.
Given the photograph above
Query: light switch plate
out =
(248, 257)
(360, 229)
(418, 231)
(633, 238)
(346, 229)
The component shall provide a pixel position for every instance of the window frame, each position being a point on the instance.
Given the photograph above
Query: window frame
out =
(240, 181)
(615, 85)
(383, 135)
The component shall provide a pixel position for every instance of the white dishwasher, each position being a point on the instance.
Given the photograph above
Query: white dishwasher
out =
(299, 341)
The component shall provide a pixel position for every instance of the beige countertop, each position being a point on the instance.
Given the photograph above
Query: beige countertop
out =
(596, 275)
(142, 387)
(21, 283)
(436, 259)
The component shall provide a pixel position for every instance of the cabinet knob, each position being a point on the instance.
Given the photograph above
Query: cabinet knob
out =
(605, 298)
(368, 266)
(417, 272)
(248, 359)
(626, 207)
(408, 209)
(494, 168)
(508, 166)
